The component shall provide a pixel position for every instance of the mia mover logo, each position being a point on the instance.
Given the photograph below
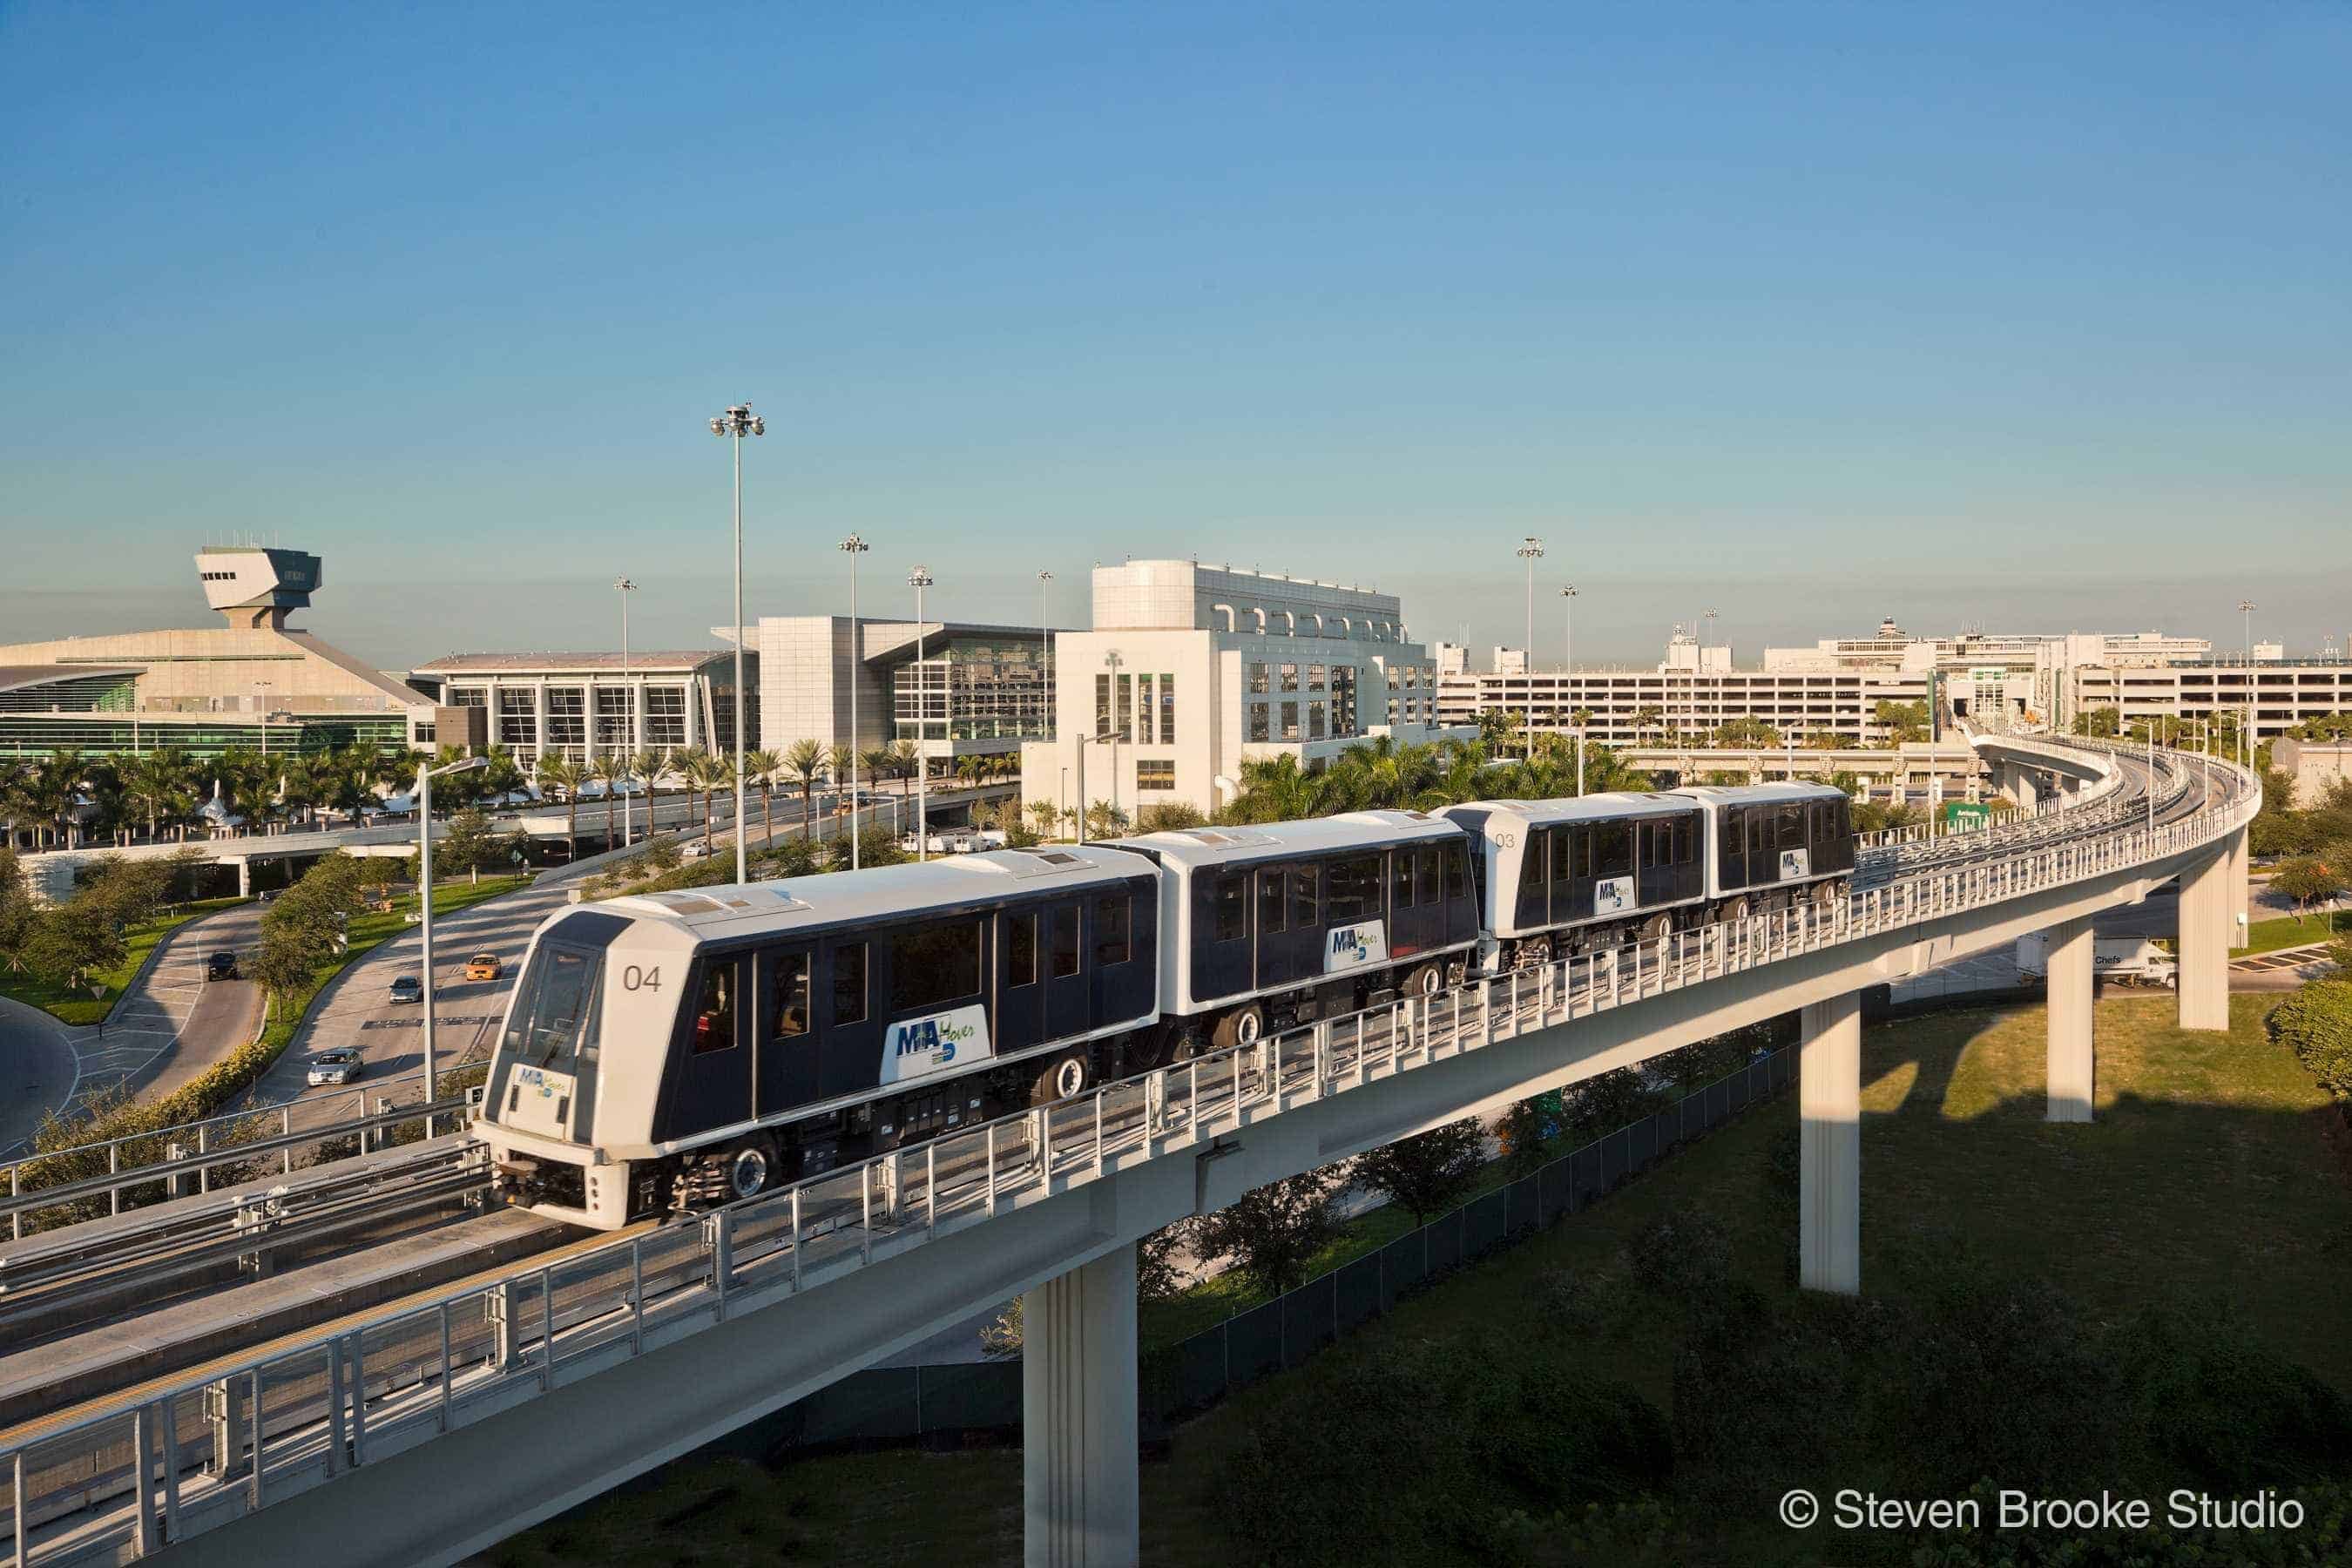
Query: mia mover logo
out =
(1348, 946)
(934, 1037)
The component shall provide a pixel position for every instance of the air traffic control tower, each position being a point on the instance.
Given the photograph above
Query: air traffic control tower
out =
(254, 585)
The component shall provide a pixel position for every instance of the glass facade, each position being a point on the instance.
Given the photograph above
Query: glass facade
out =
(29, 734)
(1155, 773)
(567, 722)
(615, 730)
(976, 688)
(518, 718)
(665, 715)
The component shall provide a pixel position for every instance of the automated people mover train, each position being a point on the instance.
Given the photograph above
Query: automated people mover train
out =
(669, 1050)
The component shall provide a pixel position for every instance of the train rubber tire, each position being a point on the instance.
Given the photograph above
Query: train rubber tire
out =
(1425, 982)
(749, 1170)
(1065, 1076)
(1241, 1027)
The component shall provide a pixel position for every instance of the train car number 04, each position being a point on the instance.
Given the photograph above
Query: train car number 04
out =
(636, 979)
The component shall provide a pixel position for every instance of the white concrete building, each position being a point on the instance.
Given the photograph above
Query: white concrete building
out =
(583, 704)
(1188, 670)
(976, 688)
(2314, 769)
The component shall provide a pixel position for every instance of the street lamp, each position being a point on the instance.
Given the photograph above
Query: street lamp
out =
(1568, 604)
(261, 712)
(853, 547)
(736, 423)
(425, 775)
(1111, 662)
(624, 587)
(1530, 550)
(921, 579)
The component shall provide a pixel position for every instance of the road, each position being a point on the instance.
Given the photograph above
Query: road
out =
(174, 1025)
(357, 1011)
(38, 1069)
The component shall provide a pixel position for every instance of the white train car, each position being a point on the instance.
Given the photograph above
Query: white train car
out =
(1568, 876)
(1773, 846)
(683, 1048)
(1268, 926)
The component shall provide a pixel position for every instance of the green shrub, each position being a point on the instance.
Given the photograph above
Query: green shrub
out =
(2315, 1023)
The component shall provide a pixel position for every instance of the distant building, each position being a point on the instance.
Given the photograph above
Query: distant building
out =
(2313, 767)
(1189, 669)
(1452, 658)
(579, 705)
(255, 683)
(975, 689)
(1508, 660)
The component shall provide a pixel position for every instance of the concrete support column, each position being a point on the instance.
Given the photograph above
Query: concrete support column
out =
(2205, 945)
(2072, 1062)
(1079, 1417)
(1829, 1109)
(245, 879)
(2240, 913)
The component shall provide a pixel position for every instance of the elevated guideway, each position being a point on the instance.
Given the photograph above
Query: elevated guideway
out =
(427, 1429)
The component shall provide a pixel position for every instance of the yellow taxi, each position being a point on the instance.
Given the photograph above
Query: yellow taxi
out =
(484, 966)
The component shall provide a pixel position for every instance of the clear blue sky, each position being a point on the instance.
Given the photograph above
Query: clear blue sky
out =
(2032, 316)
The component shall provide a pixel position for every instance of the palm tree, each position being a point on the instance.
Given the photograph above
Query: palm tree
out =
(712, 772)
(762, 764)
(843, 761)
(609, 769)
(557, 771)
(159, 780)
(803, 763)
(646, 768)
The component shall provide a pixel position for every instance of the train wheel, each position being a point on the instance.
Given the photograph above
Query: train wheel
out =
(1425, 982)
(1655, 927)
(750, 1169)
(1241, 1027)
(1065, 1076)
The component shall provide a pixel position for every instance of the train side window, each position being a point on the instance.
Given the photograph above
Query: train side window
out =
(1400, 879)
(1457, 872)
(1020, 947)
(1270, 892)
(934, 963)
(1686, 841)
(849, 983)
(1792, 826)
(714, 1015)
(1613, 851)
(791, 994)
(1229, 906)
(1114, 935)
(1583, 847)
(1305, 897)
(1066, 940)
(1424, 875)
(1355, 891)
(1657, 844)
(1563, 855)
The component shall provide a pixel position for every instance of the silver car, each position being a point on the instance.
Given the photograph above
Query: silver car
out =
(340, 1065)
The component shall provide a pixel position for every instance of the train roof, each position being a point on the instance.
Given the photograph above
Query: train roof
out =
(878, 891)
(1760, 795)
(1580, 808)
(1191, 847)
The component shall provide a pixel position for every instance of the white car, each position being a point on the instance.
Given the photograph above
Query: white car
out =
(694, 849)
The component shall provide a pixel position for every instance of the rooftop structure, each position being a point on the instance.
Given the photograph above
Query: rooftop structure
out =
(254, 683)
(581, 705)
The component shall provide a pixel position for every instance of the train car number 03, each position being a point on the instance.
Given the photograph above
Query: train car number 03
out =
(636, 979)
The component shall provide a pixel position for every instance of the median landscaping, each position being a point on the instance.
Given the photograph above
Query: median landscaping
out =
(2144, 1303)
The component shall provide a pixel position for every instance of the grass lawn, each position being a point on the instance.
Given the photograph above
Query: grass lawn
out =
(78, 1007)
(2320, 925)
(2212, 1172)
(370, 930)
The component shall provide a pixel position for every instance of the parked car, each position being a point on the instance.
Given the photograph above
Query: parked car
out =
(221, 965)
(340, 1065)
(694, 849)
(484, 966)
(408, 988)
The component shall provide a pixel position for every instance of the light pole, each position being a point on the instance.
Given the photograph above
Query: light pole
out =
(624, 587)
(1045, 654)
(2247, 607)
(261, 712)
(853, 547)
(920, 579)
(736, 423)
(1568, 606)
(1530, 550)
(425, 775)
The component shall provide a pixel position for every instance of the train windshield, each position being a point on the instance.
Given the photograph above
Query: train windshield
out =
(554, 1021)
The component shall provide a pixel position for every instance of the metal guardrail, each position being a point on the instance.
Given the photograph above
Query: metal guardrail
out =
(205, 1146)
(161, 1466)
(65, 1270)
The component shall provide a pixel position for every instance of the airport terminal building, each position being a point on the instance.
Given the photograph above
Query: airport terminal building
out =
(255, 683)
